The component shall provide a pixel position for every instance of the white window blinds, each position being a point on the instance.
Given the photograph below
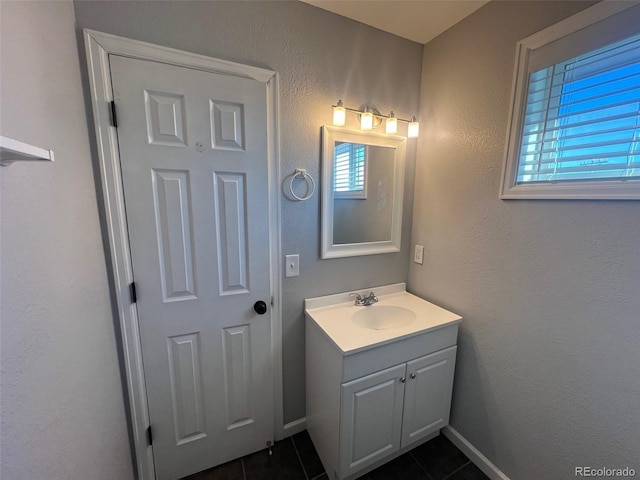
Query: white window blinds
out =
(349, 167)
(582, 118)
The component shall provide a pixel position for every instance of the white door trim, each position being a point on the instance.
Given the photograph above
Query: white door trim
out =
(98, 46)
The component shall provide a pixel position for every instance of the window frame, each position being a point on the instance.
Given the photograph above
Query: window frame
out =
(585, 189)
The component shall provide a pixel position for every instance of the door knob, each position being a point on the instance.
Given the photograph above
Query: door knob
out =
(260, 307)
(413, 375)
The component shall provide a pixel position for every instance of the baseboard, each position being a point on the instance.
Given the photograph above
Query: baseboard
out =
(294, 427)
(482, 462)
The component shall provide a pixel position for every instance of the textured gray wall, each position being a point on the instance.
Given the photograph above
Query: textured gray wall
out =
(548, 372)
(63, 413)
(320, 57)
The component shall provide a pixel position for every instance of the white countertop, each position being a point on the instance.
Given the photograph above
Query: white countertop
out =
(333, 313)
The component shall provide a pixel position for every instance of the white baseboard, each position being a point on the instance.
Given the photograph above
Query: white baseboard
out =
(482, 462)
(294, 427)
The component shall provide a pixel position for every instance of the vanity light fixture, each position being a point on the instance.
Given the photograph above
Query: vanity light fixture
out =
(413, 129)
(339, 114)
(391, 125)
(370, 118)
(366, 119)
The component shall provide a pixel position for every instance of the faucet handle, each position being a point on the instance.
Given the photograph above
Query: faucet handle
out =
(371, 298)
(359, 298)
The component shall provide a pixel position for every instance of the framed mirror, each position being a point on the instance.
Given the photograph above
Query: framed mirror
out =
(362, 192)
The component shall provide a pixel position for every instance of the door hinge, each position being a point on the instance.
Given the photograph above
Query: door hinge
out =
(132, 291)
(114, 118)
(149, 436)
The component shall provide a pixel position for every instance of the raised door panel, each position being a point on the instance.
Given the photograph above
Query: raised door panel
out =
(371, 418)
(186, 387)
(231, 224)
(427, 398)
(237, 376)
(166, 118)
(172, 206)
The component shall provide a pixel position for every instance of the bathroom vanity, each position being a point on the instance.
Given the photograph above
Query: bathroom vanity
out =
(379, 377)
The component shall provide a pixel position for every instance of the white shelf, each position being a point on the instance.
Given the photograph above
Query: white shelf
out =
(15, 151)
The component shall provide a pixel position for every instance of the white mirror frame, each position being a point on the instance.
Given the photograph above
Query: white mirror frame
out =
(331, 135)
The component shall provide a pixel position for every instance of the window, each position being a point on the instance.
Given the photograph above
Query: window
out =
(350, 171)
(575, 126)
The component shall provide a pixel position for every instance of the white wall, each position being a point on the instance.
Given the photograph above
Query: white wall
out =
(321, 57)
(548, 371)
(63, 413)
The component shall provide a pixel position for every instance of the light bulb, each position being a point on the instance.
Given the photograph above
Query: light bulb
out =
(413, 129)
(366, 120)
(391, 125)
(339, 114)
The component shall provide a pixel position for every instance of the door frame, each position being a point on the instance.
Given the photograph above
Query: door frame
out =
(98, 46)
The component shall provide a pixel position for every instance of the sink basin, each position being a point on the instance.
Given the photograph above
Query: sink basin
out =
(383, 317)
(397, 315)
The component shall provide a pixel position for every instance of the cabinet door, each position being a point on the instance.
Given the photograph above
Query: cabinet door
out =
(427, 397)
(371, 418)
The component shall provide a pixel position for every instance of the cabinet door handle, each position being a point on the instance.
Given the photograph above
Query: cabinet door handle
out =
(413, 375)
(402, 380)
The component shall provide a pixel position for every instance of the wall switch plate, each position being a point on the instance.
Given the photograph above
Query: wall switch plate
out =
(419, 254)
(292, 265)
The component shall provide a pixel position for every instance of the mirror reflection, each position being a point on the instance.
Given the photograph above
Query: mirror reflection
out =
(362, 192)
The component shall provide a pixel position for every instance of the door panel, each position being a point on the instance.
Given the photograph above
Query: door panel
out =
(174, 230)
(186, 387)
(427, 397)
(232, 240)
(227, 122)
(237, 375)
(166, 118)
(371, 413)
(193, 149)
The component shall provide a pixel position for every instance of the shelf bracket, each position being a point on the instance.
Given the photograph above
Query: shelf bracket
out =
(14, 151)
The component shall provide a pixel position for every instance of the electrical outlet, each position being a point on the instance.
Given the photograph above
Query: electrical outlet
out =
(292, 265)
(419, 254)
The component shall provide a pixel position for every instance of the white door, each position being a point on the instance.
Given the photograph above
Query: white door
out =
(371, 418)
(427, 395)
(193, 149)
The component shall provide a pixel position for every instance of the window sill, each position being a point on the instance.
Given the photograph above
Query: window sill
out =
(627, 190)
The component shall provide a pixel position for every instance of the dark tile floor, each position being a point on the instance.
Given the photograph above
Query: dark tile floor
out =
(295, 458)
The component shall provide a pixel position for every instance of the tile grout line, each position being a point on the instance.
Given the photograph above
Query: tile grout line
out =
(420, 465)
(304, 470)
(244, 473)
(457, 470)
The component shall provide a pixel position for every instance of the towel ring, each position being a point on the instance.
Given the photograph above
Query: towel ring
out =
(311, 184)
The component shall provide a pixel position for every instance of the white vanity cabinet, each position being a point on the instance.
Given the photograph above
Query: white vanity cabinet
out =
(368, 402)
(386, 411)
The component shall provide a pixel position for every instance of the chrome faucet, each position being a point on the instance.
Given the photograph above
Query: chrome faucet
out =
(365, 301)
